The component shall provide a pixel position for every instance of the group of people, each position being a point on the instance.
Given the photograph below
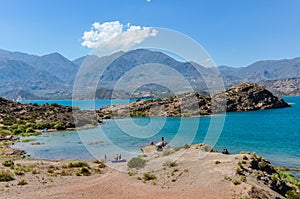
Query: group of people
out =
(225, 151)
(118, 157)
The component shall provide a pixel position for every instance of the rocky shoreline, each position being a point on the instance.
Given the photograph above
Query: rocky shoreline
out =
(241, 97)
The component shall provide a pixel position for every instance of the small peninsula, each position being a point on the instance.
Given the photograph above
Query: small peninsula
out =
(20, 119)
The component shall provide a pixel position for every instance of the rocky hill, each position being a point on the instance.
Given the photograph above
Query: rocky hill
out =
(283, 87)
(17, 118)
(20, 94)
(241, 97)
(265, 70)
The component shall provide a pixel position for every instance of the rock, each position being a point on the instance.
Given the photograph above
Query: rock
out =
(10, 151)
(69, 117)
(247, 97)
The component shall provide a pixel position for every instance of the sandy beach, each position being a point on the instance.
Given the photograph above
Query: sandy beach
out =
(194, 174)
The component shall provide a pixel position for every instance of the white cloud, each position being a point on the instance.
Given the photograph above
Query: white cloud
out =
(114, 36)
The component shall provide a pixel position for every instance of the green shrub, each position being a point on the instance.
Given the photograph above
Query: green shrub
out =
(96, 161)
(60, 126)
(275, 177)
(43, 125)
(27, 140)
(239, 171)
(5, 176)
(167, 152)
(149, 176)
(142, 156)
(243, 178)
(29, 130)
(245, 157)
(85, 171)
(176, 148)
(22, 182)
(4, 132)
(102, 165)
(8, 163)
(17, 131)
(170, 163)
(262, 165)
(292, 194)
(136, 163)
(19, 171)
(187, 146)
(78, 164)
(236, 181)
(217, 162)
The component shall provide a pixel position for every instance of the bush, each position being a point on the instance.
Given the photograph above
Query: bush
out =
(30, 130)
(217, 162)
(149, 176)
(17, 131)
(292, 194)
(176, 148)
(170, 163)
(262, 165)
(5, 176)
(167, 152)
(102, 165)
(60, 126)
(85, 171)
(136, 163)
(243, 178)
(187, 146)
(96, 161)
(19, 171)
(236, 181)
(4, 132)
(8, 163)
(27, 140)
(245, 157)
(22, 182)
(239, 171)
(78, 164)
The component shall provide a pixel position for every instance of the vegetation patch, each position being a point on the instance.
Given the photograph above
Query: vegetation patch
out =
(8, 163)
(22, 182)
(136, 162)
(236, 181)
(167, 152)
(170, 163)
(27, 140)
(78, 164)
(149, 176)
(6, 176)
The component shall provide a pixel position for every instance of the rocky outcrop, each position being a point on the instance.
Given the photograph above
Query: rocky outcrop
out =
(19, 117)
(248, 97)
(241, 97)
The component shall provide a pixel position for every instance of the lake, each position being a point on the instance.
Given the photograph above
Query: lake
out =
(274, 134)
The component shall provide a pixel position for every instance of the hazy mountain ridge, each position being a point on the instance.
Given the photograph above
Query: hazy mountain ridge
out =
(45, 75)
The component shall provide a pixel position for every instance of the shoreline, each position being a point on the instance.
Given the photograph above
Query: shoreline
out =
(217, 174)
(13, 150)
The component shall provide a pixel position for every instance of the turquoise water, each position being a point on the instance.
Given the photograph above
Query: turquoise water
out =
(274, 134)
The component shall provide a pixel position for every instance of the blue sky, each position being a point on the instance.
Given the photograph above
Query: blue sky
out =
(233, 32)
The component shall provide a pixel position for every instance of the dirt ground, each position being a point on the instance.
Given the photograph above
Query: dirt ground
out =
(195, 175)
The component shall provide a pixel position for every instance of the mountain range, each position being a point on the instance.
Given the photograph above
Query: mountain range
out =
(52, 76)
